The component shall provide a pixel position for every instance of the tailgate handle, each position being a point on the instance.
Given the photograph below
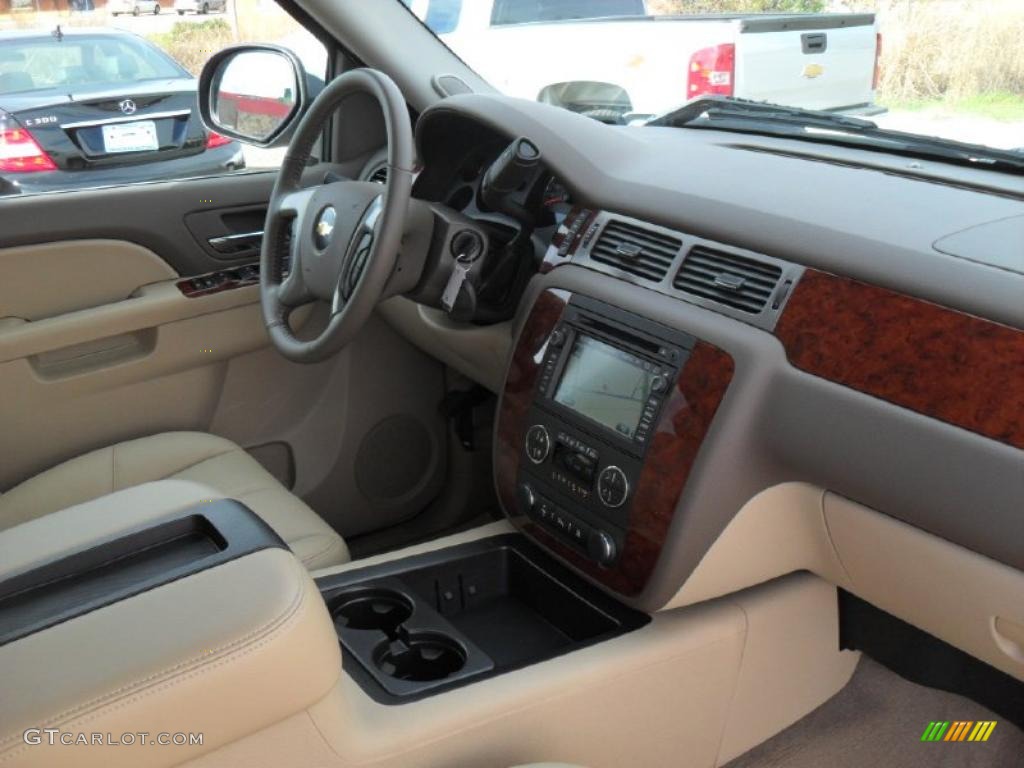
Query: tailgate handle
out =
(814, 42)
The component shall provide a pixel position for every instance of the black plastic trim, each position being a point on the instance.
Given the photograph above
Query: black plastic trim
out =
(405, 576)
(926, 660)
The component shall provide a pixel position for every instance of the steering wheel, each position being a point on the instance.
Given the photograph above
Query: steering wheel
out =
(337, 242)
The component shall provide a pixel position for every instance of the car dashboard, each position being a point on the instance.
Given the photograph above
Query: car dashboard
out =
(820, 342)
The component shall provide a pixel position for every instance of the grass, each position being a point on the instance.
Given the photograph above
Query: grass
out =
(193, 43)
(997, 105)
(966, 53)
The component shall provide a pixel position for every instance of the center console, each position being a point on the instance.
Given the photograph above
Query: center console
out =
(415, 626)
(604, 381)
(601, 420)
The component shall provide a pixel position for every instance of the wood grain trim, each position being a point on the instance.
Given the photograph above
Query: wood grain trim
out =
(575, 226)
(682, 426)
(520, 382)
(933, 360)
(224, 280)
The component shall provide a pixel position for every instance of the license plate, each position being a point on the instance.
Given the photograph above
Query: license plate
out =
(130, 137)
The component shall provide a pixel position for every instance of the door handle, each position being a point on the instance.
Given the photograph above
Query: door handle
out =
(242, 244)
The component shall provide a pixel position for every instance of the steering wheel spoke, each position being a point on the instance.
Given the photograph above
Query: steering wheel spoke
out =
(293, 204)
(345, 235)
(292, 292)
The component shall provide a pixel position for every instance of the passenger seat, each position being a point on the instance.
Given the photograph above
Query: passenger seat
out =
(202, 458)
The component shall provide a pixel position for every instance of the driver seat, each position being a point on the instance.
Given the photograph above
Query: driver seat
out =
(213, 462)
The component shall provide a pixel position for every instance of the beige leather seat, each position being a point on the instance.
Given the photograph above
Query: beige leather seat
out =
(201, 458)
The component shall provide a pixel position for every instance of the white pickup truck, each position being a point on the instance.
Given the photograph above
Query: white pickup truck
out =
(609, 57)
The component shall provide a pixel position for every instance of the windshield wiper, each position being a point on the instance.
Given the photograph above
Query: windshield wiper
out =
(725, 113)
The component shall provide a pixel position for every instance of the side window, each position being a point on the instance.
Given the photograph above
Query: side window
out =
(109, 98)
(443, 16)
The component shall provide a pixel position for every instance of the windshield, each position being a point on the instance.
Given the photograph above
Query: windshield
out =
(80, 60)
(949, 70)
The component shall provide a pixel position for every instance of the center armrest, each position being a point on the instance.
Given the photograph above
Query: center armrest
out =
(222, 648)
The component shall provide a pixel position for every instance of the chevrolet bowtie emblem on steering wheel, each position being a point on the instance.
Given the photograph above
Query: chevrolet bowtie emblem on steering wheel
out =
(127, 106)
(324, 227)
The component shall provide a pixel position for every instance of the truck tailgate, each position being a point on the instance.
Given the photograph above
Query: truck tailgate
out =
(822, 61)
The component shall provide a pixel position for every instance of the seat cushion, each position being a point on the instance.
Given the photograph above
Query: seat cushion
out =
(202, 458)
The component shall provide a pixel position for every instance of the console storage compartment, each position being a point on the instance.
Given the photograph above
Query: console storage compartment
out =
(153, 553)
(450, 617)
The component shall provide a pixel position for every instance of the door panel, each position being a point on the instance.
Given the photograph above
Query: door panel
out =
(41, 281)
(152, 215)
(98, 344)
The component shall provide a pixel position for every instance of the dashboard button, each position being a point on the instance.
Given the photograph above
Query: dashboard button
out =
(601, 547)
(612, 487)
(538, 443)
(527, 499)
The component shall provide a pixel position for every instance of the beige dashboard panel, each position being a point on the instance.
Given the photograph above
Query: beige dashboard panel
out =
(41, 281)
(479, 352)
(959, 596)
(780, 530)
(964, 598)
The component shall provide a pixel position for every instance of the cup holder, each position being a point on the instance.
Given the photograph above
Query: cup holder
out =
(422, 657)
(380, 609)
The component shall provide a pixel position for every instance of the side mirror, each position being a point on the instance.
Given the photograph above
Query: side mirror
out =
(253, 93)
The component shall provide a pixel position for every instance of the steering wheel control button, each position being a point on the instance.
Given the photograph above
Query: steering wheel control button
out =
(538, 444)
(612, 487)
(323, 230)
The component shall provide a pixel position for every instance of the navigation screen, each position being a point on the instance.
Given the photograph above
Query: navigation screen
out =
(605, 384)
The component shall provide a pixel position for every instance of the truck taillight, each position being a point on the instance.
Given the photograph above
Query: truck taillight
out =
(20, 153)
(877, 76)
(712, 71)
(215, 140)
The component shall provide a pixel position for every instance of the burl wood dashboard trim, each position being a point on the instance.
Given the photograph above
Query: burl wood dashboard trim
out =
(936, 361)
(682, 426)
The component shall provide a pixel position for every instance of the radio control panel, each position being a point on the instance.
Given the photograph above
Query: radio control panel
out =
(605, 377)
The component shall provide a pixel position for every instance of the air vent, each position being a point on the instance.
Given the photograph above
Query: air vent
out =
(379, 175)
(728, 278)
(636, 250)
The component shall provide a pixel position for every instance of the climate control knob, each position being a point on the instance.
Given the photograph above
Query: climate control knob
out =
(601, 547)
(612, 487)
(538, 443)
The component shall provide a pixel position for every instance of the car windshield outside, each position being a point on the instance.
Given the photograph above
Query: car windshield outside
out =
(943, 70)
(46, 62)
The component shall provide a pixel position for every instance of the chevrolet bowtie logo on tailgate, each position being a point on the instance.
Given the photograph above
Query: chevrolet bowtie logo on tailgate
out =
(959, 730)
(812, 71)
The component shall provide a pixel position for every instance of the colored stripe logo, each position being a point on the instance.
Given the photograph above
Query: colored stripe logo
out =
(959, 730)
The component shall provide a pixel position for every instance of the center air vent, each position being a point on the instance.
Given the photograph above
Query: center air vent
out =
(379, 175)
(636, 250)
(728, 279)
